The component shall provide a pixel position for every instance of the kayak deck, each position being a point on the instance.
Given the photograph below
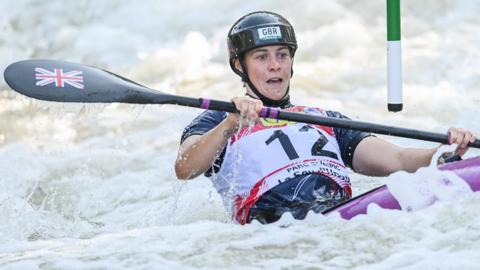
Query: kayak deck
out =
(468, 169)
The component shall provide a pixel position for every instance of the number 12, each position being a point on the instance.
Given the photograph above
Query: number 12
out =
(286, 143)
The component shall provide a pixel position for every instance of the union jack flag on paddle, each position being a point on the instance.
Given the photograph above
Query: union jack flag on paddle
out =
(45, 77)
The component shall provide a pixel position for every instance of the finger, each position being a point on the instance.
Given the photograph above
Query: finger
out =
(243, 108)
(452, 135)
(236, 101)
(236, 116)
(466, 139)
(250, 111)
(469, 138)
(461, 137)
(253, 111)
(258, 106)
(472, 139)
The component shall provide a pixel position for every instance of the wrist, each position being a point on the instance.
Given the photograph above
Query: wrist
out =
(230, 126)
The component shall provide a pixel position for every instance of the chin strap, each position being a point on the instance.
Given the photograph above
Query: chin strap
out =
(282, 103)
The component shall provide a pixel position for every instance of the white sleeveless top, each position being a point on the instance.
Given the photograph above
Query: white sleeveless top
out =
(274, 151)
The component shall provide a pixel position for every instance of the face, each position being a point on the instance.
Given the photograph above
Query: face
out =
(269, 69)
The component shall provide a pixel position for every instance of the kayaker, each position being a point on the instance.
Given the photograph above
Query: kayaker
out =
(274, 166)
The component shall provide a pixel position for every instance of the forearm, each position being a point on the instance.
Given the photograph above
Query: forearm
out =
(198, 152)
(411, 159)
(377, 157)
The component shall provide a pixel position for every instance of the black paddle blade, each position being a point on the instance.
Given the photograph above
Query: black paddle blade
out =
(62, 81)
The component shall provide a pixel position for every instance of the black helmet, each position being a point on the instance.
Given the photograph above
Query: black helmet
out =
(257, 29)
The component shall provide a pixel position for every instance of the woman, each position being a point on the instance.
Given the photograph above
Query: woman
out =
(272, 167)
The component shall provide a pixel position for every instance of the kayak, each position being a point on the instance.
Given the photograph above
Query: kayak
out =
(468, 170)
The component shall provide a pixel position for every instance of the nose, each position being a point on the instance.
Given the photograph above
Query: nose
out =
(273, 63)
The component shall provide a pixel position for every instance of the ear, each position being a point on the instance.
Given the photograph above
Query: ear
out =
(238, 66)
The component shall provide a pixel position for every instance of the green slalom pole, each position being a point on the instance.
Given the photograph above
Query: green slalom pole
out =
(394, 56)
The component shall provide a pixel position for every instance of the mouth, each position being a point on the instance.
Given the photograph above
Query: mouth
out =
(275, 80)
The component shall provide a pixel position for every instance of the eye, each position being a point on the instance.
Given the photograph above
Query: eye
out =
(261, 56)
(283, 55)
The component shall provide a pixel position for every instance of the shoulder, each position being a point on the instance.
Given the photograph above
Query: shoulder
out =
(209, 115)
(204, 122)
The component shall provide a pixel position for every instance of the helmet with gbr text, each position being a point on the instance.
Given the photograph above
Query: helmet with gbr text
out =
(257, 29)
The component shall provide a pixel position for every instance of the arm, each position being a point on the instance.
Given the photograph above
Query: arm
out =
(198, 152)
(376, 157)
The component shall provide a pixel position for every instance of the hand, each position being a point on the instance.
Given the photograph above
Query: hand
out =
(461, 137)
(248, 108)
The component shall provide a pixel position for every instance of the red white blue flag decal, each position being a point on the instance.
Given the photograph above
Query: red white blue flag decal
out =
(45, 77)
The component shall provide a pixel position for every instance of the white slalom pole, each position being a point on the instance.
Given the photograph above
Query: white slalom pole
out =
(394, 56)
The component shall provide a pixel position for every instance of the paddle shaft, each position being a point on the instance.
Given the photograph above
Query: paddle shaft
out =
(218, 105)
(62, 81)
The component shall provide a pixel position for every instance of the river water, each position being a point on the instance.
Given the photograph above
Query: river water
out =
(92, 186)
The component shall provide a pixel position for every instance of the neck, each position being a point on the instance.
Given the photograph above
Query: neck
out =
(282, 103)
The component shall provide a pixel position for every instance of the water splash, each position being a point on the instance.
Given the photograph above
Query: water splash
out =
(427, 185)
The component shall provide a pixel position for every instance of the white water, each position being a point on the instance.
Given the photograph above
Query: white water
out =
(415, 191)
(93, 186)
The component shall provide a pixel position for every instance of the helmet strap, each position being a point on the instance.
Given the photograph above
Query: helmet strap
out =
(282, 103)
